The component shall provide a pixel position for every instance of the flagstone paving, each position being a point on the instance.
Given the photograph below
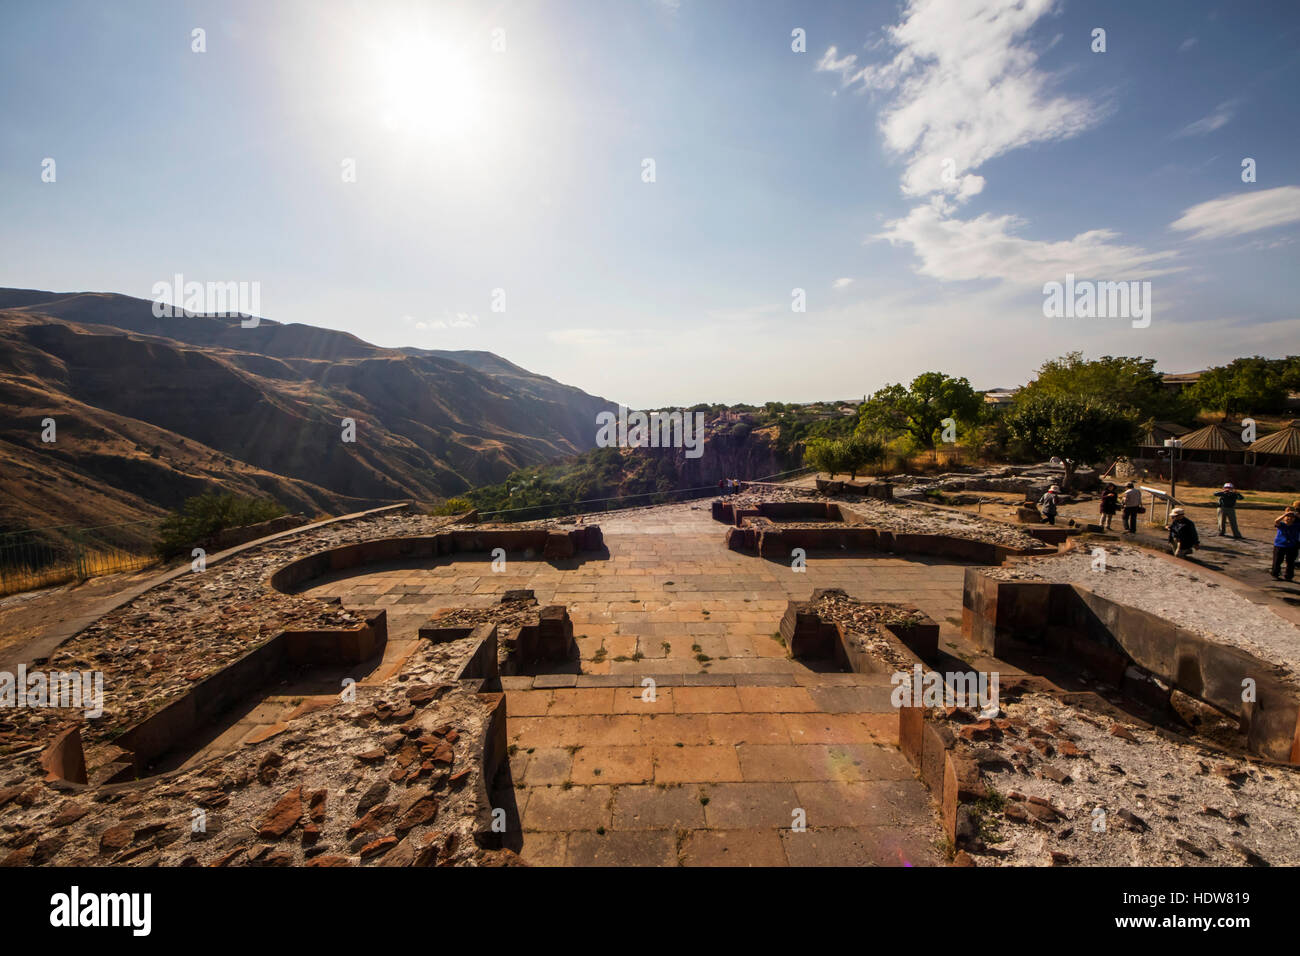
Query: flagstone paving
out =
(737, 755)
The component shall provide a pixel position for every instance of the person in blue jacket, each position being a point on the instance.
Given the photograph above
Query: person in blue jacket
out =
(1286, 544)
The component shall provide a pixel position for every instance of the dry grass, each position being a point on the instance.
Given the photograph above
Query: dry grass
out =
(92, 563)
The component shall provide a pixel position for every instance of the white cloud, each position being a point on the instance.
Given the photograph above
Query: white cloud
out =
(987, 248)
(842, 283)
(965, 90)
(1187, 44)
(1240, 213)
(1221, 116)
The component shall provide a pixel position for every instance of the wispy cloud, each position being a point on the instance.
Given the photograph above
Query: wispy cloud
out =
(1239, 213)
(1187, 44)
(987, 248)
(965, 90)
(842, 283)
(1221, 116)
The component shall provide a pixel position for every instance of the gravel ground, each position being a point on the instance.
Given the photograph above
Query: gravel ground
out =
(918, 519)
(865, 622)
(154, 648)
(1162, 803)
(346, 784)
(1176, 592)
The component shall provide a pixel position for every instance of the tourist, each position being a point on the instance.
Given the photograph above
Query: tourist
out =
(1132, 508)
(1182, 533)
(722, 486)
(1228, 499)
(1047, 504)
(1109, 505)
(1286, 544)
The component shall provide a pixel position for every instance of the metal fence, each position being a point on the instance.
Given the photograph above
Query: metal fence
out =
(43, 557)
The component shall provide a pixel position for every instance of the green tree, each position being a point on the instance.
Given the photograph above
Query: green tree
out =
(824, 454)
(1078, 429)
(860, 451)
(1128, 382)
(1246, 386)
(851, 454)
(919, 409)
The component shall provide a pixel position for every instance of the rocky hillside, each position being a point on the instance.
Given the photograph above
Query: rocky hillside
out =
(150, 411)
(638, 476)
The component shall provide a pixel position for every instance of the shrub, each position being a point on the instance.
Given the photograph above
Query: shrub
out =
(203, 516)
(453, 506)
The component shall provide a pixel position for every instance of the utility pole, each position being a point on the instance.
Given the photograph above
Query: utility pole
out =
(1174, 444)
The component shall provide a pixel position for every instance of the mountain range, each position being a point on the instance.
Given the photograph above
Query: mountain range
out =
(149, 411)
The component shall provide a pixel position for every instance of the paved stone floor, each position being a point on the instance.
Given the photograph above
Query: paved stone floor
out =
(738, 745)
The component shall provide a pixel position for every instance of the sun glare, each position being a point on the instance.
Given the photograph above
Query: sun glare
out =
(428, 86)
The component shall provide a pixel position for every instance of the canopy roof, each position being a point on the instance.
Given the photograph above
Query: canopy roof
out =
(1284, 441)
(1219, 437)
(1159, 431)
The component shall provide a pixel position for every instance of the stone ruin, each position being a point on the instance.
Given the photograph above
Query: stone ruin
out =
(420, 751)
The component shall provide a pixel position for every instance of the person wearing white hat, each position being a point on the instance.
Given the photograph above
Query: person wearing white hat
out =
(1182, 534)
(1228, 499)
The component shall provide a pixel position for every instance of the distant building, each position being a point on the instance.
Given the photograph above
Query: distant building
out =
(1177, 381)
(1000, 396)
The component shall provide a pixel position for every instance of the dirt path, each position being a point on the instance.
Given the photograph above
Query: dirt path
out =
(27, 616)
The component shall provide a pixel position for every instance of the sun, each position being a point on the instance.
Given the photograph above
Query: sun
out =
(429, 86)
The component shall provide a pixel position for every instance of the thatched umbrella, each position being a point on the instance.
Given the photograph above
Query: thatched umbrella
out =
(1221, 442)
(1282, 447)
(1154, 437)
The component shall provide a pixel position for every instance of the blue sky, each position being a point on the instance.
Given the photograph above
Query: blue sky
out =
(521, 168)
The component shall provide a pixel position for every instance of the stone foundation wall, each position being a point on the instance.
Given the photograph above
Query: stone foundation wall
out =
(1257, 477)
(231, 537)
(533, 542)
(872, 489)
(1108, 639)
(808, 637)
(213, 696)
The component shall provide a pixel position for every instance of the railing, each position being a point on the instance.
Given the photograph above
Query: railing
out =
(44, 557)
(1159, 497)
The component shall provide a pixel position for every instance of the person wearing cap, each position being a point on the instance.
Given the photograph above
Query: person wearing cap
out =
(1132, 501)
(1228, 499)
(1286, 544)
(1047, 504)
(1182, 533)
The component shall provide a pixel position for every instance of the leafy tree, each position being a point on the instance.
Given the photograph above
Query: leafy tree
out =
(825, 454)
(203, 516)
(1247, 385)
(851, 454)
(861, 451)
(1079, 429)
(919, 409)
(1130, 383)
